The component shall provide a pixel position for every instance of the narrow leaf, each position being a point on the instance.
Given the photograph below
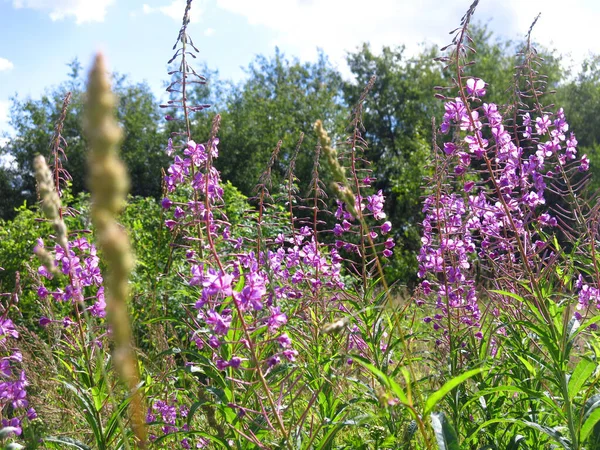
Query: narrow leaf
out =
(589, 424)
(447, 387)
(444, 432)
(582, 372)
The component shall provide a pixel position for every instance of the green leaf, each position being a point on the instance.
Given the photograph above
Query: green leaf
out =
(590, 405)
(14, 446)
(527, 364)
(87, 408)
(532, 308)
(488, 391)
(582, 372)
(593, 417)
(182, 434)
(447, 387)
(559, 438)
(67, 441)
(383, 379)
(515, 442)
(586, 325)
(112, 426)
(444, 432)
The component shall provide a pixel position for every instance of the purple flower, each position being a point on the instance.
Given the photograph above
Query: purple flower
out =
(42, 292)
(219, 323)
(284, 340)
(179, 213)
(166, 203)
(222, 365)
(276, 319)
(476, 87)
(15, 424)
(213, 341)
(44, 272)
(217, 283)
(449, 148)
(585, 164)
(273, 361)
(7, 328)
(31, 414)
(290, 354)
(375, 205)
(542, 124)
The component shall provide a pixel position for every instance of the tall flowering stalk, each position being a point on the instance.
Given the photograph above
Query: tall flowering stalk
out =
(238, 317)
(489, 208)
(109, 184)
(14, 405)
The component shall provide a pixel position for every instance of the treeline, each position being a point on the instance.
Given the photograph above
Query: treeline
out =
(282, 98)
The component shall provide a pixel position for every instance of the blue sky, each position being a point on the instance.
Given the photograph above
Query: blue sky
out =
(39, 37)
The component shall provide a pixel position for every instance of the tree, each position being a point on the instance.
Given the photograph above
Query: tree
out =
(397, 122)
(34, 119)
(580, 98)
(279, 100)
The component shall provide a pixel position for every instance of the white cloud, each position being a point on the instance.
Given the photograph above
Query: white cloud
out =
(338, 26)
(5, 64)
(82, 10)
(209, 32)
(175, 10)
(570, 30)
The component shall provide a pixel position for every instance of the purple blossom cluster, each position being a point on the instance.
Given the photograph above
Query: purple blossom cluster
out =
(242, 289)
(82, 283)
(347, 225)
(13, 381)
(445, 255)
(170, 416)
(588, 298)
(187, 170)
(496, 220)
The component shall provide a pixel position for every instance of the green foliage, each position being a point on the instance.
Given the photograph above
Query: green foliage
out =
(279, 100)
(34, 121)
(17, 240)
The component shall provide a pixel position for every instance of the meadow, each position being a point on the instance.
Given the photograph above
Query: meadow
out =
(315, 312)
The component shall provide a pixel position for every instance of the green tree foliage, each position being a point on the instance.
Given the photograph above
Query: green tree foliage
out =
(397, 122)
(33, 121)
(279, 100)
(580, 97)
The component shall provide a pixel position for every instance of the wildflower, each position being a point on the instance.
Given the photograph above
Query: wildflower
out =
(375, 205)
(476, 87)
(276, 319)
(585, 164)
(219, 323)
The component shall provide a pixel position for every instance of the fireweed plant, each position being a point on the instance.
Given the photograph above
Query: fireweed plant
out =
(14, 404)
(509, 263)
